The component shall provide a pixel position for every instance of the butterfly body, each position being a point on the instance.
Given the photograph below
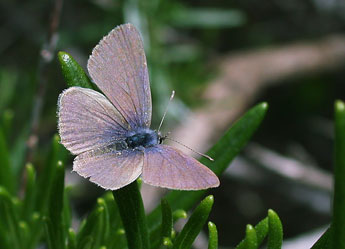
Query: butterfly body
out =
(142, 138)
(110, 134)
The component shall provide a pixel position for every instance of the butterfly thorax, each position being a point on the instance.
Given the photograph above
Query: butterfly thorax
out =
(142, 138)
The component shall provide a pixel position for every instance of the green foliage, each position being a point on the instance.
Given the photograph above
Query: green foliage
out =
(167, 222)
(133, 217)
(194, 225)
(338, 221)
(212, 236)
(73, 72)
(6, 175)
(118, 219)
(269, 227)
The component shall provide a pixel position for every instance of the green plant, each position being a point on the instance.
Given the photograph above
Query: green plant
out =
(118, 220)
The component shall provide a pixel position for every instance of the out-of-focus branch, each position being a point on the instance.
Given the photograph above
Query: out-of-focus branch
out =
(243, 75)
(46, 56)
(289, 168)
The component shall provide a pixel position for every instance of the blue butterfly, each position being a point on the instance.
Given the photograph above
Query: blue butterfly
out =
(110, 133)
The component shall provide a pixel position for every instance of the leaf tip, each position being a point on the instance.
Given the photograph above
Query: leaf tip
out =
(59, 164)
(339, 106)
(120, 231)
(264, 105)
(63, 56)
(210, 198)
(29, 166)
(100, 201)
(56, 138)
(271, 213)
(167, 242)
(249, 228)
(210, 225)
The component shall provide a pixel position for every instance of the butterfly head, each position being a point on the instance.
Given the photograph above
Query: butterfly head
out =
(162, 137)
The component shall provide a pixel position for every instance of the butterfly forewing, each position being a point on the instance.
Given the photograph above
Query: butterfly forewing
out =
(118, 67)
(108, 168)
(168, 167)
(87, 120)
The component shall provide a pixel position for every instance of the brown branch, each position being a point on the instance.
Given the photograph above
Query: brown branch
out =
(46, 56)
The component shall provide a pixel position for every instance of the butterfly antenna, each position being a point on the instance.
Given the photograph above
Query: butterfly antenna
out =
(199, 153)
(166, 110)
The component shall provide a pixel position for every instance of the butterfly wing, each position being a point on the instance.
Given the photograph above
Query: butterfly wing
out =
(109, 168)
(167, 167)
(118, 67)
(87, 120)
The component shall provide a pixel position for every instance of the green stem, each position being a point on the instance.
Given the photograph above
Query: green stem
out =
(133, 217)
(338, 221)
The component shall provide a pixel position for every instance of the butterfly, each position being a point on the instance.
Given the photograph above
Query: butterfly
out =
(110, 134)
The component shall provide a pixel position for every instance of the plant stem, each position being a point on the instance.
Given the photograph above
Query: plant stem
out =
(133, 217)
(338, 221)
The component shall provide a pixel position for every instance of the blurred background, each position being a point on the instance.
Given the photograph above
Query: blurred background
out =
(221, 57)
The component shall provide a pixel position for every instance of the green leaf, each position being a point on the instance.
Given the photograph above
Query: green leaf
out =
(29, 197)
(7, 179)
(207, 18)
(24, 232)
(250, 241)
(6, 123)
(8, 86)
(261, 230)
(44, 187)
(212, 236)
(186, 237)
(179, 214)
(324, 242)
(54, 226)
(275, 231)
(94, 228)
(167, 219)
(10, 219)
(114, 215)
(157, 233)
(338, 219)
(48, 227)
(67, 210)
(85, 243)
(72, 240)
(224, 151)
(36, 226)
(116, 238)
(101, 231)
(73, 72)
(167, 243)
(133, 217)
(18, 150)
(45, 182)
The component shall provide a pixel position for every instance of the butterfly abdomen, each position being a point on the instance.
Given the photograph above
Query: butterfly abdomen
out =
(144, 138)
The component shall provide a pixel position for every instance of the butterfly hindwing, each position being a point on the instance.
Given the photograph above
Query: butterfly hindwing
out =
(109, 168)
(167, 167)
(118, 67)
